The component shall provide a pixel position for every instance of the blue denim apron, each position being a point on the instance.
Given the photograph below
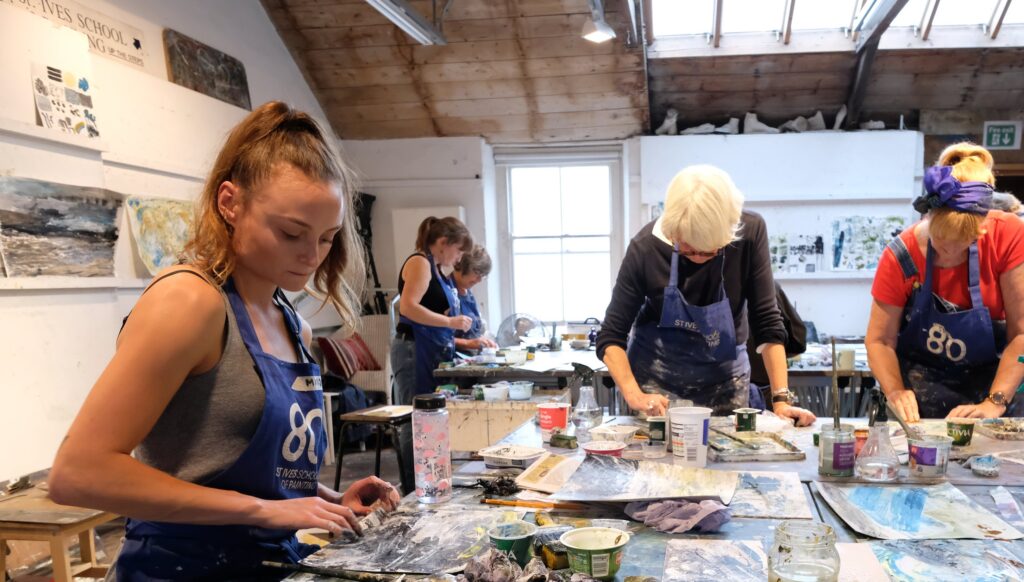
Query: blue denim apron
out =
(946, 358)
(467, 306)
(433, 344)
(691, 352)
(282, 461)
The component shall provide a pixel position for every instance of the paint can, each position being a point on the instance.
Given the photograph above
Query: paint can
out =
(746, 419)
(836, 451)
(929, 456)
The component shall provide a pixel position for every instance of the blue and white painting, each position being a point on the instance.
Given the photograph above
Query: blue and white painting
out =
(914, 512)
(976, 560)
(160, 228)
(49, 229)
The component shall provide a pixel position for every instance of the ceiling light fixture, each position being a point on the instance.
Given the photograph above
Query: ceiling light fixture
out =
(597, 28)
(405, 17)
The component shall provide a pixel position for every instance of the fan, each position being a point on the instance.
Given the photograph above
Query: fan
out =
(519, 327)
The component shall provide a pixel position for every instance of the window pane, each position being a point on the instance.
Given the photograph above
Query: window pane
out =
(586, 200)
(751, 15)
(590, 244)
(822, 14)
(538, 285)
(911, 14)
(587, 283)
(526, 246)
(535, 202)
(953, 12)
(672, 17)
(1015, 13)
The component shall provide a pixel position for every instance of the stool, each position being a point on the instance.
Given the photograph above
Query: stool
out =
(384, 419)
(32, 516)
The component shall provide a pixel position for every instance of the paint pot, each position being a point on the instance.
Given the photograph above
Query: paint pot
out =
(836, 451)
(520, 390)
(656, 429)
(690, 435)
(961, 430)
(803, 550)
(746, 419)
(986, 466)
(653, 449)
(614, 432)
(552, 416)
(860, 436)
(929, 456)
(514, 539)
(595, 551)
(496, 392)
(610, 448)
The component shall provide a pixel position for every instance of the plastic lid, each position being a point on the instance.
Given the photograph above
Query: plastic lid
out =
(428, 402)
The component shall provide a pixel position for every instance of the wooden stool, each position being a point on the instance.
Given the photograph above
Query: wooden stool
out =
(30, 515)
(384, 419)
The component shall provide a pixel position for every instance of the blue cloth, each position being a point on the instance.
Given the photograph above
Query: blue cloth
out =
(942, 189)
(433, 344)
(948, 358)
(282, 461)
(468, 307)
(691, 352)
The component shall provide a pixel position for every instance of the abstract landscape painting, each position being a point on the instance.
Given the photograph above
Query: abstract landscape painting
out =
(205, 69)
(715, 561)
(767, 494)
(976, 560)
(607, 478)
(160, 228)
(914, 512)
(49, 229)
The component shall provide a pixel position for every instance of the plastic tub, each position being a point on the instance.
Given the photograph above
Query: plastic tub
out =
(495, 392)
(595, 551)
(929, 456)
(521, 390)
(610, 448)
(613, 432)
(515, 456)
(515, 357)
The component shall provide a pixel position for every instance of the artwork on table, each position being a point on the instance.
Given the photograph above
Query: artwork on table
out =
(727, 445)
(858, 241)
(160, 228)
(63, 101)
(1004, 429)
(205, 69)
(699, 560)
(914, 512)
(768, 494)
(49, 229)
(797, 253)
(950, 559)
(416, 541)
(607, 478)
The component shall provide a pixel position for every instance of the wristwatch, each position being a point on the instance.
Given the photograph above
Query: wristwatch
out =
(997, 398)
(784, 396)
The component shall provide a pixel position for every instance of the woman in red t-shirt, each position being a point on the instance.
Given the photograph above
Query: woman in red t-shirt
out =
(946, 323)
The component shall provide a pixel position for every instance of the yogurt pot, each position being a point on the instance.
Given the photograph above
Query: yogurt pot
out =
(929, 456)
(610, 448)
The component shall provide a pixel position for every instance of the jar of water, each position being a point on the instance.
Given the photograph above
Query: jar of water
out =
(586, 414)
(803, 551)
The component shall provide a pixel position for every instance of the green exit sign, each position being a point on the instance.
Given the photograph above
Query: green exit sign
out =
(1002, 135)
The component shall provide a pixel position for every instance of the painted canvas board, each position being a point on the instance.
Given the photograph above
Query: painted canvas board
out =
(607, 478)
(414, 541)
(205, 69)
(768, 494)
(858, 241)
(63, 101)
(160, 228)
(1005, 429)
(50, 229)
(960, 560)
(727, 445)
(915, 512)
(797, 253)
(701, 560)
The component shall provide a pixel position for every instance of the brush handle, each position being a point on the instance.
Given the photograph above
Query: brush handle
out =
(906, 427)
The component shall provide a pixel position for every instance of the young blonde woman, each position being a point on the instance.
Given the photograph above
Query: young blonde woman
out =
(685, 288)
(212, 385)
(946, 322)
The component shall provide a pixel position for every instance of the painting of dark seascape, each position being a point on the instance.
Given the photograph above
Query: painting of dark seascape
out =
(205, 69)
(49, 229)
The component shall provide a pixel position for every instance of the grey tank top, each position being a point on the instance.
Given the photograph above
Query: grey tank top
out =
(211, 419)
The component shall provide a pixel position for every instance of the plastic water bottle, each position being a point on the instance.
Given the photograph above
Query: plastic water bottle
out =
(431, 452)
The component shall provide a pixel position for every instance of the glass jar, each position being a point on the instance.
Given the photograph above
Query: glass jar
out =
(431, 452)
(803, 551)
(836, 451)
(586, 414)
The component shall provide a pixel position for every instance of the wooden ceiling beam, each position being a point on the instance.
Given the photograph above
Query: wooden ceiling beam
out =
(878, 19)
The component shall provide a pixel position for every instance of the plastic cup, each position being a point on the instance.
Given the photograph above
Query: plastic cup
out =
(690, 435)
(929, 456)
(746, 419)
(595, 551)
(515, 539)
(653, 449)
(961, 430)
(551, 416)
(846, 357)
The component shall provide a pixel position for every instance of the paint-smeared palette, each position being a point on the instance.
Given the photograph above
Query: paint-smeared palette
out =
(950, 559)
(607, 478)
(726, 444)
(773, 495)
(714, 561)
(1006, 429)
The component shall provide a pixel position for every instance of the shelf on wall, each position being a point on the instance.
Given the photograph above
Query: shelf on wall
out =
(825, 276)
(64, 283)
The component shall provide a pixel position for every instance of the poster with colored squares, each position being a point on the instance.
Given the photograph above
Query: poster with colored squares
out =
(64, 101)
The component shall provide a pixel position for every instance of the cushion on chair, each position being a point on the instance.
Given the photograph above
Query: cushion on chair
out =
(345, 357)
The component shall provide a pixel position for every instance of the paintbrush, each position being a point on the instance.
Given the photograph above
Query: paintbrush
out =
(534, 504)
(742, 442)
(911, 432)
(347, 575)
(835, 387)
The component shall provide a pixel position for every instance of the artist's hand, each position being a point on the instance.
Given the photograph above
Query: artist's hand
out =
(649, 404)
(905, 403)
(306, 512)
(484, 342)
(802, 416)
(987, 409)
(362, 494)
(460, 322)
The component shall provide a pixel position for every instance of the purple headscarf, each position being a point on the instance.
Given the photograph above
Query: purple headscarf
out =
(943, 190)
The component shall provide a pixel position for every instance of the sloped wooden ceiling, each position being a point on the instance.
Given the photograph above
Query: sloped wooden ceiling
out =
(513, 71)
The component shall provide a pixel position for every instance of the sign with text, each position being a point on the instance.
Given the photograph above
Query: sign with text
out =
(107, 36)
(1002, 135)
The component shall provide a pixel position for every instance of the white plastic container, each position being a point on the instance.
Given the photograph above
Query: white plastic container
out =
(515, 357)
(495, 392)
(514, 456)
(613, 432)
(521, 390)
(690, 435)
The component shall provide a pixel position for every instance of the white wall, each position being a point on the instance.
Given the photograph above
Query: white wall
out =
(157, 139)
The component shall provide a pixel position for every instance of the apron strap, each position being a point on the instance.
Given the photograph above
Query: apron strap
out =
(902, 253)
(974, 276)
(673, 274)
(294, 325)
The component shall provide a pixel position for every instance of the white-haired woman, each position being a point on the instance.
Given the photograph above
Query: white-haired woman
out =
(687, 315)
